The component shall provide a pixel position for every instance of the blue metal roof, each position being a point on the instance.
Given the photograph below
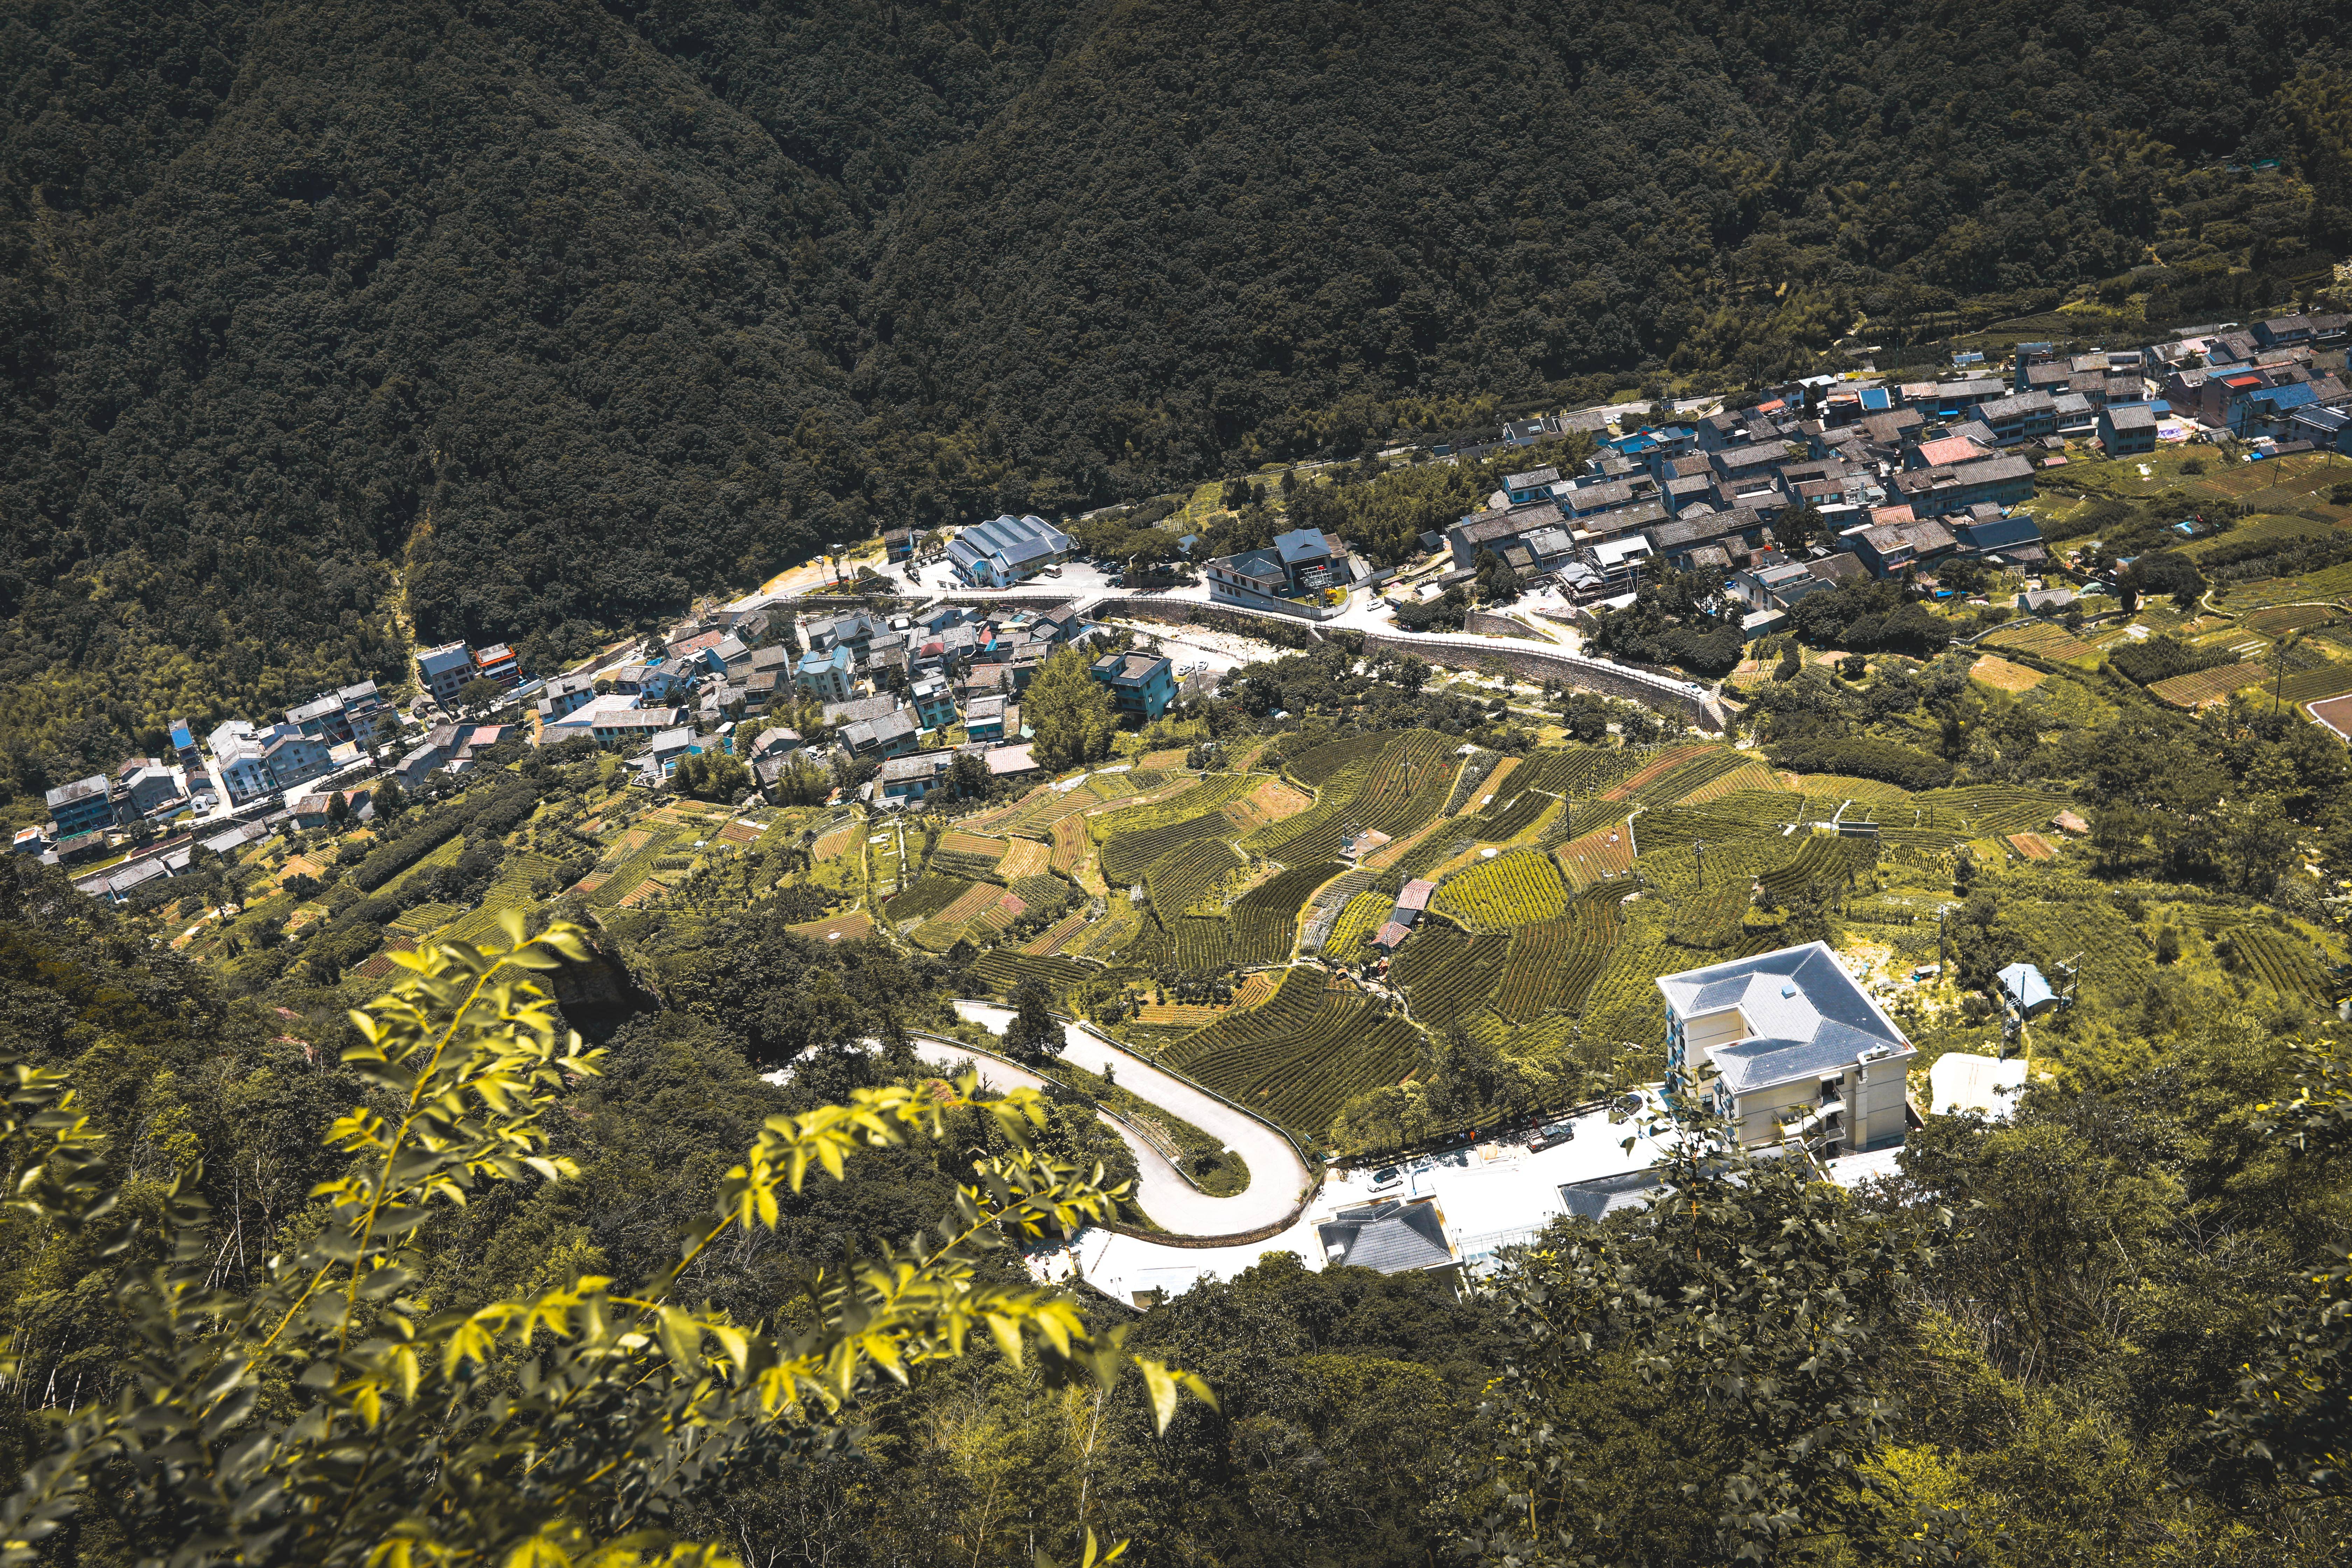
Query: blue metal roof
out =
(2027, 989)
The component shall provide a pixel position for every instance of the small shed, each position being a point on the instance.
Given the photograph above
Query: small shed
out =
(2025, 986)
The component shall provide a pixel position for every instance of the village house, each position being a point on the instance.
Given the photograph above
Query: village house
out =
(1141, 684)
(1788, 1047)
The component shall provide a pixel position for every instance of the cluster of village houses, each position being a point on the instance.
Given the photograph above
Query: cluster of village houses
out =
(906, 692)
(1901, 474)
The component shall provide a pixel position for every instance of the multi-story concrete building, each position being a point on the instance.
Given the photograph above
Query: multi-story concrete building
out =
(831, 676)
(1789, 1047)
(1141, 684)
(81, 806)
(443, 671)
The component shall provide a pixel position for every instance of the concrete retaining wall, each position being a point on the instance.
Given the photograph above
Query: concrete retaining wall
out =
(1530, 662)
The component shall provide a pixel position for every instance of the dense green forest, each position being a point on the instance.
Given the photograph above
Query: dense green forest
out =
(325, 325)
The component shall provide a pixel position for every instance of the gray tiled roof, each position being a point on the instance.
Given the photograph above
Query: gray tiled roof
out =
(1391, 1237)
(1804, 1014)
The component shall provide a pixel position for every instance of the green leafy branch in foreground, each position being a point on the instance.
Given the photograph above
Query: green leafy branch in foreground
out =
(330, 1416)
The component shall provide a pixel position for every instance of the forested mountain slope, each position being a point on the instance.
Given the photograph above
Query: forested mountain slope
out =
(526, 319)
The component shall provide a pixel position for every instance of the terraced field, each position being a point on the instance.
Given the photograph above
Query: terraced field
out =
(1325, 762)
(1553, 964)
(1127, 856)
(855, 926)
(1270, 802)
(1204, 944)
(1266, 919)
(1447, 975)
(2316, 685)
(1351, 935)
(1300, 1056)
(519, 875)
(2200, 687)
(926, 899)
(1187, 874)
(1995, 808)
(1599, 854)
(1991, 670)
(1055, 937)
(1506, 892)
(2040, 637)
(1658, 766)
(968, 855)
(2280, 962)
(1006, 972)
(1397, 791)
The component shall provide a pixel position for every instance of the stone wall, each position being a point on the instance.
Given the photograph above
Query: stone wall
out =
(1487, 623)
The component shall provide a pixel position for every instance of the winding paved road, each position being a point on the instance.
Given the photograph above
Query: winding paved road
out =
(1277, 1176)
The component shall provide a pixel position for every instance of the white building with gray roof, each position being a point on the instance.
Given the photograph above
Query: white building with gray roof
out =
(1789, 1046)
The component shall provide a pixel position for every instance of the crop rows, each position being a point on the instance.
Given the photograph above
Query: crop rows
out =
(1817, 858)
(1750, 778)
(1509, 890)
(1623, 1005)
(1656, 767)
(2279, 963)
(1211, 792)
(629, 874)
(512, 889)
(1266, 919)
(1204, 944)
(1674, 868)
(1712, 919)
(1447, 975)
(1108, 935)
(1127, 856)
(1554, 963)
(2200, 686)
(1501, 824)
(2054, 643)
(1055, 937)
(1042, 891)
(926, 899)
(2316, 685)
(1681, 824)
(1405, 773)
(963, 863)
(1996, 809)
(1351, 933)
(1187, 874)
(1324, 911)
(1693, 778)
(1839, 788)
(1319, 765)
(1574, 770)
(1069, 844)
(1598, 853)
(1301, 1054)
(1396, 794)
(1006, 971)
(981, 912)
